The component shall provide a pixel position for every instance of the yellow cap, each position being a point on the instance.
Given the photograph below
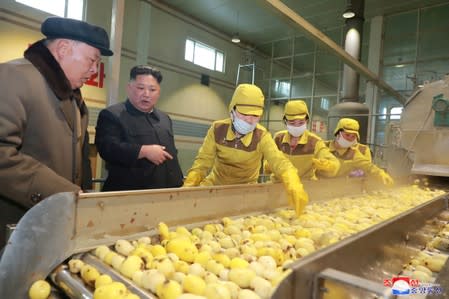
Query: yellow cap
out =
(296, 110)
(348, 125)
(248, 99)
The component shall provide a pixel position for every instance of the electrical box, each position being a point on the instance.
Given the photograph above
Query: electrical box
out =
(441, 107)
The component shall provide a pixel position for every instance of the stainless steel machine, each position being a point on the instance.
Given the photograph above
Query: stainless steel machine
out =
(66, 225)
(420, 142)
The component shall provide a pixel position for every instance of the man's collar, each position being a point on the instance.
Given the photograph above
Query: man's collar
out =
(133, 110)
(246, 139)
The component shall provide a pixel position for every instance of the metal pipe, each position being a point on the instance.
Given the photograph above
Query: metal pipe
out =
(330, 45)
(350, 77)
(105, 269)
(353, 39)
(73, 287)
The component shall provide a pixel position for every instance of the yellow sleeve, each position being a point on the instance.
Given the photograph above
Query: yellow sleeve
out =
(367, 152)
(206, 155)
(376, 170)
(323, 152)
(373, 169)
(361, 161)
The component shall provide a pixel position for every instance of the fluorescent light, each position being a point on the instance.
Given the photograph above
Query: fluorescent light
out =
(235, 38)
(348, 13)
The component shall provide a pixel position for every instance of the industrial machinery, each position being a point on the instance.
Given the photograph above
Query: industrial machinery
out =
(421, 141)
(357, 266)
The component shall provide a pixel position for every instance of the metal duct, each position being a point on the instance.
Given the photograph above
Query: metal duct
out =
(350, 105)
(353, 39)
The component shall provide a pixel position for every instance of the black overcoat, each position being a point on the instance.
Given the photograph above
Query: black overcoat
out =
(120, 133)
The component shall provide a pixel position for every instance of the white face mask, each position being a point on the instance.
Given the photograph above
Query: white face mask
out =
(296, 131)
(242, 126)
(342, 142)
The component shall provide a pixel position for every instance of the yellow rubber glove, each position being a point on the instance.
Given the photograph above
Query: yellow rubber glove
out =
(296, 195)
(193, 179)
(323, 164)
(386, 178)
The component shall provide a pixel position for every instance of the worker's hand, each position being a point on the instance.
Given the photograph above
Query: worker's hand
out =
(301, 199)
(356, 173)
(386, 178)
(296, 195)
(193, 179)
(155, 153)
(323, 164)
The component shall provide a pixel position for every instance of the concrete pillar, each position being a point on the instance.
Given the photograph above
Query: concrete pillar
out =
(118, 11)
(143, 35)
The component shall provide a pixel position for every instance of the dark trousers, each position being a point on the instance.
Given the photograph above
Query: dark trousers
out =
(10, 213)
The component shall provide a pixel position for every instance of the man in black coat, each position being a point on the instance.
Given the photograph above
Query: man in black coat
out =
(136, 139)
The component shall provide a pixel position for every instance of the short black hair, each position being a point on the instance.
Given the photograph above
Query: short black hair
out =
(338, 132)
(145, 70)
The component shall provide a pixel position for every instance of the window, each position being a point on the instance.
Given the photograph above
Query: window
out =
(63, 8)
(396, 112)
(282, 88)
(204, 55)
(324, 104)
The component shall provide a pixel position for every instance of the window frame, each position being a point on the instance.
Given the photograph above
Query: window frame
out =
(324, 103)
(216, 55)
(66, 8)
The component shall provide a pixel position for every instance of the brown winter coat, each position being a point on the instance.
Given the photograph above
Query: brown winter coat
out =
(42, 145)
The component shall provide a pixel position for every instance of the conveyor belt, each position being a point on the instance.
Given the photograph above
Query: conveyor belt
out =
(102, 218)
(374, 255)
(381, 250)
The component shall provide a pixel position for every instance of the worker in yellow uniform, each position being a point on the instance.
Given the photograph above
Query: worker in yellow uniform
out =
(305, 150)
(233, 149)
(355, 159)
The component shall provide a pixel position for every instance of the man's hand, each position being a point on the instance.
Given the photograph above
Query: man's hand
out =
(155, 153)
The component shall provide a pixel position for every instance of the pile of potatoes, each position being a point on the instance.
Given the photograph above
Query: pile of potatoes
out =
(245, 258)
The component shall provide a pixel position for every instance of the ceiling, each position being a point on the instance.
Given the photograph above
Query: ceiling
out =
(257, 22)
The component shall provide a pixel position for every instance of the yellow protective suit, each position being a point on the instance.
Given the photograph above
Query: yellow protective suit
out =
(353, 159)
(364, 149)
(308, 148)
(224, 159)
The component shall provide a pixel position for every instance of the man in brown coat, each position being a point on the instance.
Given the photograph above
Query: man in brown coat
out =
(43, 119)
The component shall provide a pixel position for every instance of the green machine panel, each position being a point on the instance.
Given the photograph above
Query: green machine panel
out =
(441, 107)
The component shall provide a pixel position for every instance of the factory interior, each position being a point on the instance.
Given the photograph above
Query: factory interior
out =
(382, 63)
